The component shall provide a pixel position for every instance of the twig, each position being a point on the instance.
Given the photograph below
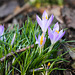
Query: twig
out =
(13, 53)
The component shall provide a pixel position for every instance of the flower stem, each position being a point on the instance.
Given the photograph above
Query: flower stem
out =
(40, 50)
(51, 47)
(46, 73)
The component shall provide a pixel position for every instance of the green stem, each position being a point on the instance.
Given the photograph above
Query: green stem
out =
(40, 50)
(51, 47)
(33, 71)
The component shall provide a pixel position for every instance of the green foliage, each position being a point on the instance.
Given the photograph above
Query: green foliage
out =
(58, 2)
(30, 59)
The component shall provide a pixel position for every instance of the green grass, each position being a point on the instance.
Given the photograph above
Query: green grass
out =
(57, 2)
(30, 59)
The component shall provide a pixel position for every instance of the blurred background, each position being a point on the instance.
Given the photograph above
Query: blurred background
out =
(17, 11)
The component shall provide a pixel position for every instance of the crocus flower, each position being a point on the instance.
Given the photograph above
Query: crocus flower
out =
(44, 23)
(55, 34)
(1, 31)
(40, 40)
(48, 65)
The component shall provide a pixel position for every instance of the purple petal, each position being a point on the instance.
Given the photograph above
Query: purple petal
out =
(44, 25)
(50, 20)
(61, 34)
(44, 15)
(1, 30)
(44, 40)
(39, 21)
(50, 34)
(39, 37)
(36, 38)
(56, 27)
(55, 37)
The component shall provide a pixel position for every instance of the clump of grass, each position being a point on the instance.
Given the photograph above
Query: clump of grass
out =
(28, 62)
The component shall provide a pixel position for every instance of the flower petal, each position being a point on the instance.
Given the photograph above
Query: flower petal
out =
(44, 40)
(45, 15)
(39, 37)
(1, 30)
(50, 34)
(56, 27)
(61, 34)
(36, 37)
(50, 20)
(36, 40)
(55, 37)
(39, 21)
(44, 25)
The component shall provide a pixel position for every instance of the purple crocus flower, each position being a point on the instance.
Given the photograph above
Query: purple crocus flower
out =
(40, 40)
(54, 34)
(44, 23)
(1, 31)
